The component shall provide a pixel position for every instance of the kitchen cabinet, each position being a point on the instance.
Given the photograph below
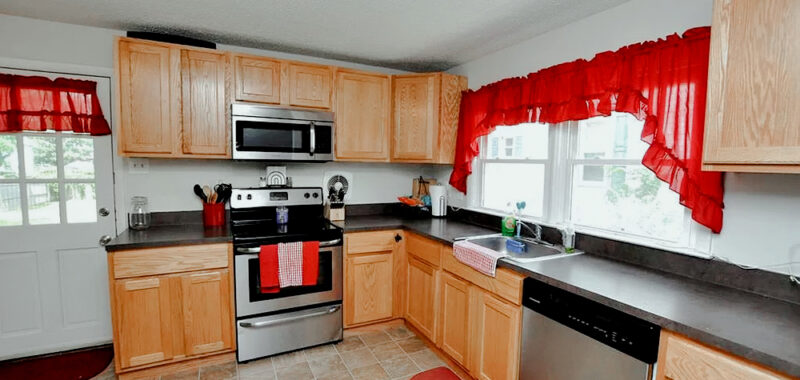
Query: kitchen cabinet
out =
(363, 116)
(371, 276)
(680, 358)
(310, 85)
(495, 336)
(422, 296)
(425, 117)
(454, 318)
(173, 100)
(258, 79)
(170, 306)
(753, 87)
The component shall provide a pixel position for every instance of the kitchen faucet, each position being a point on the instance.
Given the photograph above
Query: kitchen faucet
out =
(536, 230)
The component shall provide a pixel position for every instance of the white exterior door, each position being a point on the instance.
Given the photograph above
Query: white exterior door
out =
(56, 201)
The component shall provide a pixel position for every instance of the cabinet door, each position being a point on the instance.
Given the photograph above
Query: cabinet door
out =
(363, 116)
(205, 128)
(149, 97)
(369, 288)
(258, 80)
(421, 292)
(454, 318)
(496, 337)
(754, 86)
(450, 104)
(310, 85)
(416, 117)
(207, 312)
(143, 321)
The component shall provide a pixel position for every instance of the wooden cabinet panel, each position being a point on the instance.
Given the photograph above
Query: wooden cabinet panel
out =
(753, 87)
(149, 99)
(369, 288)
(310, 85)
(203, 81)
(143, 321)
(416, 117)
(424, 249)
(682, 359)
(154, 261)
(495, 337)
(506, 284)
(450, 104)
(363, 116)
(421, 296)
(258, 79)
(370, 242)
(207, 312)
(453, 315)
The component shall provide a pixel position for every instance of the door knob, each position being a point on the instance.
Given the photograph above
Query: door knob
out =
(105, 239)
(103, 211)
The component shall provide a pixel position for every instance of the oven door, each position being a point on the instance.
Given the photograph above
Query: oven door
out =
(262, 138)
(250, 301)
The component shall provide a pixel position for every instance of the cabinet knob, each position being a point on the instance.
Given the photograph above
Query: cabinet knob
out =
(398, 237)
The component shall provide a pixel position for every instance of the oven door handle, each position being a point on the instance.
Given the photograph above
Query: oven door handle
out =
(331, 310)
(322, 244)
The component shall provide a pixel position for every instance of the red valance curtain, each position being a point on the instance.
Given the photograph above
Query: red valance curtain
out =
(31, 103)
(660, 82)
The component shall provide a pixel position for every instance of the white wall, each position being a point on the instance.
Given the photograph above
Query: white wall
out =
(761, 224)
(168, 185)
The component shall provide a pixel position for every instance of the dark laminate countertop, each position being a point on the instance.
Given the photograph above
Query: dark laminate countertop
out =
(166, 235)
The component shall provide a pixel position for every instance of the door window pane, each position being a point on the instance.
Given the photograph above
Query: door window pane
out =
(40, 157)
(10, 207)
(43, 203)
(518, 142)
(513, 182)
(81, 203)
(628, 198)
(613, 137)
(78, 158)
(9, 159)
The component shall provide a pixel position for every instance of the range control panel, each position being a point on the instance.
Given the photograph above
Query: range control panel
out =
(265, 197)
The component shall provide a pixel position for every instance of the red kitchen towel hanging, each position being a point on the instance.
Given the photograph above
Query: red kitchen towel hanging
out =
(268, 269)
(310, 262)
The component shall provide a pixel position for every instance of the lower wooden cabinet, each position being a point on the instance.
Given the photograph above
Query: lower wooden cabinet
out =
(680, 358)
(421, 296)
(454, 317)
(369, 288)
(495, 336)
(206, 312)
(144, 321)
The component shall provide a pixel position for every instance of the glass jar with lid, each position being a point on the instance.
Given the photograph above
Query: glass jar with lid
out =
(139, 214)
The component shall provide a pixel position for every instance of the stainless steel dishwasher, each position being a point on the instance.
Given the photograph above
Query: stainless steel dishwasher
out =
(568, 337)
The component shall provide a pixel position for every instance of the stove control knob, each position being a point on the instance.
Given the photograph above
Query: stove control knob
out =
(249, 197)
(315, 195)
(238, 197)
(307, 195)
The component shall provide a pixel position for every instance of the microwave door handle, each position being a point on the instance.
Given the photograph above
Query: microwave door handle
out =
(313, 138)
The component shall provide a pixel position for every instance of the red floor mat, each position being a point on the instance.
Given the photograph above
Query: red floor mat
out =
(70, 365)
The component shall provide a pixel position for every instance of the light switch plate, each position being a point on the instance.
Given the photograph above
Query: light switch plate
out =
(138, 166)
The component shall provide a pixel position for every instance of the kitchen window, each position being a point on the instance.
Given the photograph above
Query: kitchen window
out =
(588, 172)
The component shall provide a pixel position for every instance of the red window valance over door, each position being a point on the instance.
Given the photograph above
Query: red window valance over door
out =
(661, 82)
(32, 103)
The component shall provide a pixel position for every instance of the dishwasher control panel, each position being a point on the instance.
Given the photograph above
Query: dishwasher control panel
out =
(623, 332)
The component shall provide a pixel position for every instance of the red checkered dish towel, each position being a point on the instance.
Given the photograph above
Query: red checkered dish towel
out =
(290, 264)
(483, 259)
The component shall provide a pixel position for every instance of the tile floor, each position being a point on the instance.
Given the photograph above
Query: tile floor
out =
(373, 353)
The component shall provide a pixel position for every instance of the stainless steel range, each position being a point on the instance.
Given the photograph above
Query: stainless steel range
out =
(294, 317)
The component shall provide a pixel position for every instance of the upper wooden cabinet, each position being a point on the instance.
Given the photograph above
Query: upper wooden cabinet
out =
(310, 85)
(258, 79)
(753, 87)
(425, 117)
(173, 100)
(680, 358)
(363, 116)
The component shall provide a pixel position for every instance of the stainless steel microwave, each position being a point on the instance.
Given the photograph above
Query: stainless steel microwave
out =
(280, 134)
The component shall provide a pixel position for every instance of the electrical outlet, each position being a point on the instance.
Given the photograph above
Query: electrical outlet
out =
(138, 166)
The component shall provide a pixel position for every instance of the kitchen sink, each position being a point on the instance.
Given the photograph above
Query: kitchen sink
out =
(535, 250)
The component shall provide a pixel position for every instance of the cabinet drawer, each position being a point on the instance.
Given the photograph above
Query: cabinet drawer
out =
(424, 249)
(506, 284)
(155, 261)
(370, 242)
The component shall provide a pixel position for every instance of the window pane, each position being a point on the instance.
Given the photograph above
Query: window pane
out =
(78, 158)
(43, 203)
(81, 203)
(627, 199)
(510, 182)
(10, 209)
(611, 137)
(40, 157)
(524, 141)
(9, 159)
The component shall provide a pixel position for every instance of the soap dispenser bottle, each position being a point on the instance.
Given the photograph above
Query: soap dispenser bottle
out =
(509, 223)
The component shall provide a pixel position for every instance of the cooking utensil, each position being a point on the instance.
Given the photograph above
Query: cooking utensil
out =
(207, 191)
(199, 192)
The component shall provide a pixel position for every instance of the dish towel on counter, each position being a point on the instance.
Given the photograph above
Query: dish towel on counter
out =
(480, 258)
(288, 264)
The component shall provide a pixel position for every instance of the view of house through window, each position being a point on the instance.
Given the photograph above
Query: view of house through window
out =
(603, 183)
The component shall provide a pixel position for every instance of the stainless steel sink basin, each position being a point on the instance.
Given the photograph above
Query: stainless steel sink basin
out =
(534, 250)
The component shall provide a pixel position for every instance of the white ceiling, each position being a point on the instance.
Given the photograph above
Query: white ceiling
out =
(415, 35)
